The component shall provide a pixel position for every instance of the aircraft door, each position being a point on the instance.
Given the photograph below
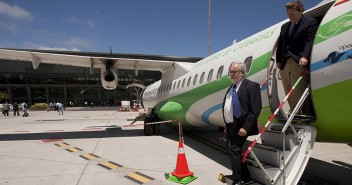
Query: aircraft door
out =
(276, 91)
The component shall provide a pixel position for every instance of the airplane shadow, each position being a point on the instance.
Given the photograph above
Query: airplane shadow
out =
(108, 132)
(319, 172)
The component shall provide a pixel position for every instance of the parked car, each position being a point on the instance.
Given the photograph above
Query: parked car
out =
(2, 105)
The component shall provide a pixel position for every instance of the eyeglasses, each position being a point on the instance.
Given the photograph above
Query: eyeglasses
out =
(233, 72)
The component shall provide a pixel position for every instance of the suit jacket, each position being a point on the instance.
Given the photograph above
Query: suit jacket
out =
(250, 104)
(299, 44)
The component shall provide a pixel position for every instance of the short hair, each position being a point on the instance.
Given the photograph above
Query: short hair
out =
(241, 66)
(296, 5)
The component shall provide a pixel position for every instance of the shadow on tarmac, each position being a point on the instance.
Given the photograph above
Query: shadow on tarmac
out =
(109, 132)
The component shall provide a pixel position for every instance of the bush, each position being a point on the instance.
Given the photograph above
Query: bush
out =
(40, 106)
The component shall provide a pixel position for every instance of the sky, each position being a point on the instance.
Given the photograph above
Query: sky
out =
(155, 27)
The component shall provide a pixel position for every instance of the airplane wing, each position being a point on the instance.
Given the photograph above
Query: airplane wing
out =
(109, 63)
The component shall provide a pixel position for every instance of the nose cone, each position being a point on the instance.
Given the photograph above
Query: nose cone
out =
(169, 110)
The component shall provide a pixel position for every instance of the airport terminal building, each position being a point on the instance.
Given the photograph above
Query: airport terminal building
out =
(70, 84)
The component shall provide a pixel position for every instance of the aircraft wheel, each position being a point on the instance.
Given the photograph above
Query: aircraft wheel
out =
(148, 131)
(156, 129)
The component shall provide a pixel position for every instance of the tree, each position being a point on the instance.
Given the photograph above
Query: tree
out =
(3, 96)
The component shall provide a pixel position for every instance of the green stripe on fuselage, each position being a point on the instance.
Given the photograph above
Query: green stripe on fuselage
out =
(175, 108)
(334, 27)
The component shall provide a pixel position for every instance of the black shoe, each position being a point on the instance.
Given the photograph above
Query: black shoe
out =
(247, 180)
(237, 182)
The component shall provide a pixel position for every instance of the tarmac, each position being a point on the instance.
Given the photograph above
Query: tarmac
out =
(97, 146)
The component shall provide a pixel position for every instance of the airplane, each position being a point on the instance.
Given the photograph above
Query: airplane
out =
(193, 92)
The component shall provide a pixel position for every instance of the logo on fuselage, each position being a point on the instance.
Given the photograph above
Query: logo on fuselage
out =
(334, 57)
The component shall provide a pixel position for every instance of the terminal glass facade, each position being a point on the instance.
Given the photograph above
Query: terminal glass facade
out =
(51, 83)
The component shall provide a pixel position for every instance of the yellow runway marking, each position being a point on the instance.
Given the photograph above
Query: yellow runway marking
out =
(62, 144)
(74, 149)
(89, 156)
(139, 178)
(110, 165)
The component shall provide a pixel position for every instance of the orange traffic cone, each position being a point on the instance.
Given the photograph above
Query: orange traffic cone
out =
(181, 164)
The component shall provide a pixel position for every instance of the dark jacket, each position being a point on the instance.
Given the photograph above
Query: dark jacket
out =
(250, 101)
(299, 44)
(15, 106)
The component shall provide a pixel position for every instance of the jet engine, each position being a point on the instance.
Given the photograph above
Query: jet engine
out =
(108, 76)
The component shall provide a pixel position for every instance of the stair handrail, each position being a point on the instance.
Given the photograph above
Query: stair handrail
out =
(288, 123)
(266, 125)
(271, 118)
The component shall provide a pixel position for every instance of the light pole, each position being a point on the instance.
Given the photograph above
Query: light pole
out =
(208, 27)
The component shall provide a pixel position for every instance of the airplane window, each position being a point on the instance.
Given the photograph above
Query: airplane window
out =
(178, 84)
(183, 82)
(189, 81)
(210, 75)
(201, 78)
(195, 79)
(218, 76)
(248, 63)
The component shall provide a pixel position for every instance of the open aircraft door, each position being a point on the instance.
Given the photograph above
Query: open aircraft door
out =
(276, 93)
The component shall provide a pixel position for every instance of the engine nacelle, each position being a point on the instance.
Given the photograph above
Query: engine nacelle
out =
(109, 78)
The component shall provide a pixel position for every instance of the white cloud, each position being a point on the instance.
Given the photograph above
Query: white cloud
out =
(79, 42)
(30, 45)
(59, 49)
(15, 12)
(75, 20)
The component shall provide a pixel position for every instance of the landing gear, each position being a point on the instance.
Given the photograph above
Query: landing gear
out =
(152, 129)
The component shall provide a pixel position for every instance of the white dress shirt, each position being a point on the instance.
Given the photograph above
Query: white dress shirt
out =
(228, 107)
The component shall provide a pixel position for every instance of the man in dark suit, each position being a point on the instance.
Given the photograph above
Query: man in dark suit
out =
(241, 108)
(293, 53)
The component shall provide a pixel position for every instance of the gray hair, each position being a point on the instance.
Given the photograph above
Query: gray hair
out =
(241, 66)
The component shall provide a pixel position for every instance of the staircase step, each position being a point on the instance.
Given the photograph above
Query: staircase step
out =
(270, 155)
(258, 175)
(274, 138)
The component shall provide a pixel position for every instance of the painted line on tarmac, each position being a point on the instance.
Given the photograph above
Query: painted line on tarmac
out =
(110, 165)
(89, 156)
(51, 140)
(22, 131)
(63, 144)
(54, 130)
(139, 178)
(136, 177)
(74, 149)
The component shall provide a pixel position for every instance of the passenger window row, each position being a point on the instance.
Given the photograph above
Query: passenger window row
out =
(181, 83)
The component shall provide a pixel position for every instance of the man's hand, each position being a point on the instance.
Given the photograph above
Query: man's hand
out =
(278, 65)
(242, 132)
(303, 61)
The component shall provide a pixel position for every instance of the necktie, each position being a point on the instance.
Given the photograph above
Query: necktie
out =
(291, 29)
(235, 103)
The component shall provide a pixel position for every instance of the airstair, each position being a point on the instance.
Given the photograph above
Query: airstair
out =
(284, 151)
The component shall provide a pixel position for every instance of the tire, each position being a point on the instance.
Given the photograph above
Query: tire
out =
(148, 131)
(156, 129)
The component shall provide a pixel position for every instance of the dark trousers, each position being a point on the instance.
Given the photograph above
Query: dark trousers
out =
(14, 112)
(289, 75)
(234, 147)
